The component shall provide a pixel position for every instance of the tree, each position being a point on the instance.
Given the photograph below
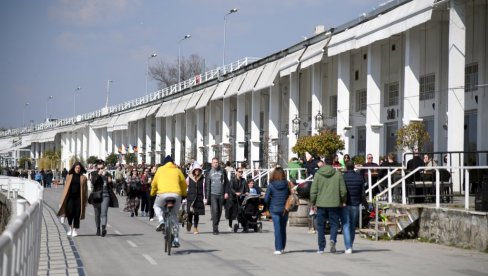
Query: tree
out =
(75, 159)
(112, 159)
(92, 159)
(166, 73)
(23, 160)
(325, 143)
(412, 136)
(130, 158)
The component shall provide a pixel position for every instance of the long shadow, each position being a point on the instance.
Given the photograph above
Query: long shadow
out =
(112, 235)
(194, 251)
(338, 252)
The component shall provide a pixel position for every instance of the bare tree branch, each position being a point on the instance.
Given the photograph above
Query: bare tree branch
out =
(166, 73)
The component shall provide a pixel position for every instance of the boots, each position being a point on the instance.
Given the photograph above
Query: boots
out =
(98, 231)
(104, 231)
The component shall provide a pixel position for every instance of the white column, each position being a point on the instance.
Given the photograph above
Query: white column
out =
(373, 109)
(455, 99)
(226, 121)
(343, 97)
(274, 109)
(93, 145)
(179, 160)
(211, 128)
(85, 145)
(110, 144)
(140, 140)
(294, 103)
(78, 136)
(240, 128)
(255, 125)
(72, 144)
(316, 94)
(200, 114)
(189, 134)
(411, 84)
(103, 141)
(149, 151)
(169, 135)
(159, 145)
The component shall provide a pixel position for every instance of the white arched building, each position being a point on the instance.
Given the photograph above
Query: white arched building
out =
(405, 61)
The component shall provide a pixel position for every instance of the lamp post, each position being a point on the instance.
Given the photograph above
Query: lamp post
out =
(108, 91)
(147, 67)
(23, 115)
(319, 121)
(225, 23)
(47, 102)
(74, 100)
(296, 125)
(179, 57)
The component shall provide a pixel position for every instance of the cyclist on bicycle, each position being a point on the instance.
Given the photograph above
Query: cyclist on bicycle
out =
(169, 182)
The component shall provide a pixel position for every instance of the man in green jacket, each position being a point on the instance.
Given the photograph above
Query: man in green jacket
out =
(328, 195)
(295, 168)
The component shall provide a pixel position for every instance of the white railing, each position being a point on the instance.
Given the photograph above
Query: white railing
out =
(20, 243)
(168, 91)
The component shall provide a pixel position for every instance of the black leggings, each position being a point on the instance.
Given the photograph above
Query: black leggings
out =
(73, 210)
(195, 220)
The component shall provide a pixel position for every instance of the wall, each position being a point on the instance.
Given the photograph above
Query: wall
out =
(455, 227)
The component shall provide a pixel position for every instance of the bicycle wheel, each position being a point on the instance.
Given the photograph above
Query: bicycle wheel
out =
(169, 234)
(165, 234)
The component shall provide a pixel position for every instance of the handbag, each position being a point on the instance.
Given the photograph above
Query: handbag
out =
(292, 202)
(95, 197)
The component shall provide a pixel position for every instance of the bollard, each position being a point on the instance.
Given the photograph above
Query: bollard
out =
(21, 206)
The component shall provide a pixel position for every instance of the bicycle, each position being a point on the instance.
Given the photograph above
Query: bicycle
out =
(168, 224)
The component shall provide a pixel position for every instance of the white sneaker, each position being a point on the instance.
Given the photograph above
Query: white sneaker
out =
(69, 232)
(278, 252)
(332, 247)
(74, 233)
(348, 251)
(230, 229)
(151, 219)
(320, 252)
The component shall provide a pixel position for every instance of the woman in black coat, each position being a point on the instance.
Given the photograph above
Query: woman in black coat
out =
(236, 189)
(195, 197)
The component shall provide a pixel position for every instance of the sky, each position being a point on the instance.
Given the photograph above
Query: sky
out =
(52, 47)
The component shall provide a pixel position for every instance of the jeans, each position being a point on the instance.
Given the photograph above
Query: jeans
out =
(216, 203)
(159, 205)
(334, 215)
(353, 215)
(73, 210)
(101, 210)
(279, 223)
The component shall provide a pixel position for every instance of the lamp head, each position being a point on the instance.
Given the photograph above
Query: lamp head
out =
(153, 55)
(187, 36)
(233, 11)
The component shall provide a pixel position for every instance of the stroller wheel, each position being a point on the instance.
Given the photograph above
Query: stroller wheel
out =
(236, 227)
(260, 227)
(256, 228)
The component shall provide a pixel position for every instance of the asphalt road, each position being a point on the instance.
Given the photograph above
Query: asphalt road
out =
(132, 247)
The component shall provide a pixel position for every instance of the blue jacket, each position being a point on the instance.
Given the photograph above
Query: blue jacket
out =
(355, 188)
(276, 195)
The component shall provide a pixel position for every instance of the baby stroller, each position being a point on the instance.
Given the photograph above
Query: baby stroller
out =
(182, 214)
(248, 214)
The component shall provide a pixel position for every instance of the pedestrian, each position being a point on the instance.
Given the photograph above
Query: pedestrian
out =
(64, 174)
(355, 195)
(152, 172)
(133, 192)
(74, 198)
(236, 189)
(102, 183)
(169, 182)
(216, 185)
(145, 192)
(195, 197)
(275, 198)
(328, 195)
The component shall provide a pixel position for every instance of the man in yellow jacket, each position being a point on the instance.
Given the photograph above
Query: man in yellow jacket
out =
(168, 182)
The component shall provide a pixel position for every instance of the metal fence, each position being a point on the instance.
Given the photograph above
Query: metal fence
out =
(20, 243)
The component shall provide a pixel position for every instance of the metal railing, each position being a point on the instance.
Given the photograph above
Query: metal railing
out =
(152, 97)
(20, 243)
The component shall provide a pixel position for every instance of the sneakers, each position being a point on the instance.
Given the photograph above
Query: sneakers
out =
(348, 251)
(74, 233)
(320, 252)
(151, 219)
(69, 232)
(215, 232)
(98, 231)
(188, 226)
(160, 227)
(195, 230)
(332, 247)
(176, 243)
(311, 231)
(230, 229)
(278, 252)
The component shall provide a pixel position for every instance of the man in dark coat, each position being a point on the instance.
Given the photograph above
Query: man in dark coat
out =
(236, 189)
(355, 195)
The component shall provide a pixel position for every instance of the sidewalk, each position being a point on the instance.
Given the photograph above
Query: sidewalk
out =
(59, 255)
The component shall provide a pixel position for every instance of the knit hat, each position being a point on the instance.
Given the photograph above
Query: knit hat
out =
(168, 159)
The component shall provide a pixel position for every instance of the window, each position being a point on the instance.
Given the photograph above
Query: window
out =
(429, 126)
(427, 87)
(361, 100)
(391, 94)
(333, 106)
(391, 135)
(471, 77)
(361, 140)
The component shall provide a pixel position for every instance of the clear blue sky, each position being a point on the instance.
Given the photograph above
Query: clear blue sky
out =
(50, 47)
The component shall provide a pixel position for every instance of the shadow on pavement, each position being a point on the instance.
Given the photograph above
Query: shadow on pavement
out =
(193, 251)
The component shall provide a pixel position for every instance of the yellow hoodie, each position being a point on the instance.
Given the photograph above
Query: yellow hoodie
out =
(169, 179)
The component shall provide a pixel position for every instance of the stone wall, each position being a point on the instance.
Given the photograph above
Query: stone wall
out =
(5, 212)
(458, 228)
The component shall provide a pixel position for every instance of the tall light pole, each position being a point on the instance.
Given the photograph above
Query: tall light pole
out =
(74, 100)
(225, 23)
(179, 57)
(108, 91)
(23, 115)
(147, 67)
(47, 102)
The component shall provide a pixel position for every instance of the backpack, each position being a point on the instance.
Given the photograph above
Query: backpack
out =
(135, 187)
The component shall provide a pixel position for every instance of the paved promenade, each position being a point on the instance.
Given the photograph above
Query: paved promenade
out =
(133, 247)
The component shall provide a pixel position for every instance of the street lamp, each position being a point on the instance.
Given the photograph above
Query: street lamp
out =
(74, 100)
(319, 121)
(225, 23)
(47, 102)
(295, 125)
(147, 67)
(179, 57)
(23, 115)
(108, 91)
